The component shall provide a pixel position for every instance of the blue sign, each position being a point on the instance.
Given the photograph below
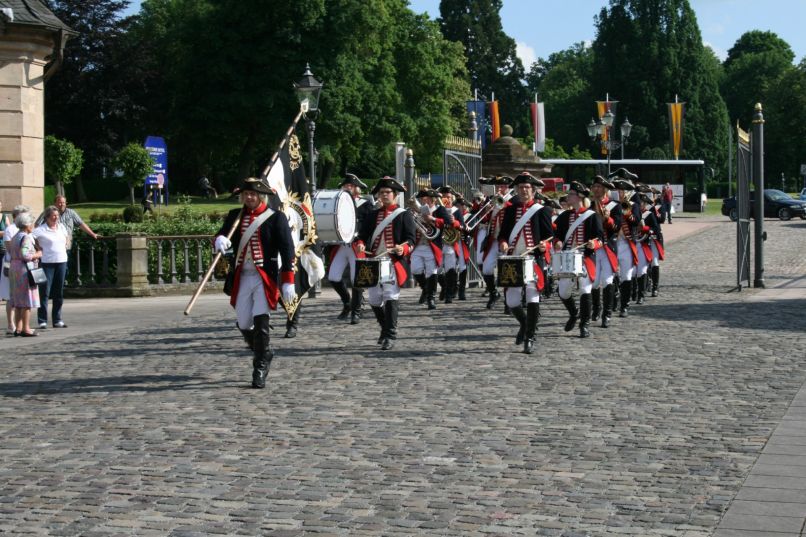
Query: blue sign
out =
(159, 152)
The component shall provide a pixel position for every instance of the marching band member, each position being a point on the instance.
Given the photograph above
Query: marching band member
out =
(577, 228)
(343, 256)
(607, 256)
(487, 239)
(651, 246)
(451, 252)
(525, 227)
(464, 249)
(389, 229)
(427, 255)
(657, 246)
(261, 235)
(626, 248)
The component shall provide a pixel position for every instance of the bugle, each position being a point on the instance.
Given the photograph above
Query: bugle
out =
(493, 202)
(429, 231)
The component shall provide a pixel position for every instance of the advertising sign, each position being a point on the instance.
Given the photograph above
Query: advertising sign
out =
(158, 151)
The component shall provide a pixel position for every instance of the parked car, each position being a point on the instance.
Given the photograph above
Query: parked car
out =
(803, 194)
(776, 203)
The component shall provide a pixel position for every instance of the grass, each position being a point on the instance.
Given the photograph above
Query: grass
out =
(198, 203)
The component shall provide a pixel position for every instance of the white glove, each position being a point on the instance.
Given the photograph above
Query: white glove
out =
(222, 244)
(289, 292)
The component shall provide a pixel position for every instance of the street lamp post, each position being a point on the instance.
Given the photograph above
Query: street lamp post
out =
(308, 90)
(601, 131)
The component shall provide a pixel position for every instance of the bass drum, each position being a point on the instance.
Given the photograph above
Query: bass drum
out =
(334, 212)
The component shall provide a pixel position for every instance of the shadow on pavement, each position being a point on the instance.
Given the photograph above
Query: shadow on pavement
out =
(783, 315)
(139, 383)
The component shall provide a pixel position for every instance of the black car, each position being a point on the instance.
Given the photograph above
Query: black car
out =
(776, 203)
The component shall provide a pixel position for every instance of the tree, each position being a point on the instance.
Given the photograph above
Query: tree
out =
(63, 162)
(134, 164)
(83, 96)
(648, 51)
(492, 62)
(785, 127)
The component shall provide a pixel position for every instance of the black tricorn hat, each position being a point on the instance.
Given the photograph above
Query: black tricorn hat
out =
(623, 184)
(641, 187)
(352, 179)
(646, 199)
(460, 201)
(554, 204)
(388, 182)
(579, 188)
(447, 189)
(599, 180)
(495, 180)
(255, 185)
(526, 178)
(430, 192)
(623, 173)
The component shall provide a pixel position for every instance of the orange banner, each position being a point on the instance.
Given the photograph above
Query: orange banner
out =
(495, 120)
(676, 111)
(601, 108)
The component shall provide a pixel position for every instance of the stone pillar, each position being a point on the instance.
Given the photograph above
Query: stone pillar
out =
(132, 264)
(22, 116)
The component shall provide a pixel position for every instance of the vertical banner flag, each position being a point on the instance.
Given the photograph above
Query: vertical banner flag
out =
(539, 123)
(601, 108)
(158, 178)
(495, 120)
(480, 108)
(676, 113)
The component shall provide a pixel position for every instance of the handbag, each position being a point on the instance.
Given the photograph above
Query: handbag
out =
(36, 275)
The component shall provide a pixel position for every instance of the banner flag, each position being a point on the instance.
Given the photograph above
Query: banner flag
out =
(676, 115)
(539, 123)
(480, 108)
(602, 107)
(495, 120)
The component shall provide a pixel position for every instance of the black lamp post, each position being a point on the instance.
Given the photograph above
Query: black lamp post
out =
(601, 131)
(308, 90)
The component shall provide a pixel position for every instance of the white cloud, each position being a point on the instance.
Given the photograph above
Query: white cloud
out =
(526, 54)
(720, 53)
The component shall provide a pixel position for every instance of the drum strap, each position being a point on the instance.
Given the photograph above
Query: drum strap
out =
(256, 223)
(611, 205)
(587, 214)
(384, 223)
(522, 222)
(644, 215)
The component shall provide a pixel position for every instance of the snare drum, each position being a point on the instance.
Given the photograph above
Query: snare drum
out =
(371, 272)
(334, 212)
(516, 271)
(567, 264)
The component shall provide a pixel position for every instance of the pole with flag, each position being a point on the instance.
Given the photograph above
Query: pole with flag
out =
(495, 119)
(676, 116)
(538, 121)
(603, 107)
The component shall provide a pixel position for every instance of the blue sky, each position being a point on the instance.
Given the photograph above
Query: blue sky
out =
(541, 27)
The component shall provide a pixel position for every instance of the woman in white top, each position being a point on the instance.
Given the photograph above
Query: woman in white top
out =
(51, 237)
(5, 290)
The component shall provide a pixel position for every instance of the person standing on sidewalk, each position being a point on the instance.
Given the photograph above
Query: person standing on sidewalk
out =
(52, 240)
(667, 197)
(261, 234)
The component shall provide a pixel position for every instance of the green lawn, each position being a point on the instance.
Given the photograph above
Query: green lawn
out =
(200, 204)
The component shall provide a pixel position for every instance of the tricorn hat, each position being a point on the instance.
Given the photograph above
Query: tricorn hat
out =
(623, 184)
(623, 173)
(554, 204)
(526, 178)
(255, 185)
(388, 182)
(646, 199)
(460, 201)
(447, 189)
(495, 180)
(430, 192)
(644, 189)
(579, 189)
(599, 180)
(352, 179)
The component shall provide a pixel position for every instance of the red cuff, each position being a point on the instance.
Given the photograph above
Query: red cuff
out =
(356, 243)
(597, 244)
(456, 224)
(646, 229)
(287, 277)
(406, 249)
(439, 222)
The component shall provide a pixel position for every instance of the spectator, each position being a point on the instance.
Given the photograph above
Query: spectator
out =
(22, 251)
(667, 197)
(51, 238)
(207, 189)
(703, 201)
(69, 218)
(5, 289)
(4, 223)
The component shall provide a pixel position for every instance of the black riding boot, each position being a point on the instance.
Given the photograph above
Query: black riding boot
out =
(532, 315)
(655, 280)
(442, 286)
(262, 351)
(450, 286)
(634, 289)
(607, 300)
(520, 315)
(344, 295)
(462, 285)
(641, 289)
(381, 318)
(585, 306)
(356, 303)
(616, 292)
(420, 279)
(431, 284)
(573, 314)
(624, 291)
(292, 323)
(489, 280)
(596, 299)
(248, 337)
(390, 316)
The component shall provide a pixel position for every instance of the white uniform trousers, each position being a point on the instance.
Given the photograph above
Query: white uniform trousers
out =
(566, 286)
(481, 237)
(490, 262)
(626, 270)
(643, 264)
(604, 272)
(344, 256)
(513, 295)
(449, 260)
(251, 299)
(422, 260)
(379, 294)
(655, 258)
(461, 264)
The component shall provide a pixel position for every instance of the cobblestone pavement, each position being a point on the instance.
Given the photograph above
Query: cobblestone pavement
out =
(648, 428)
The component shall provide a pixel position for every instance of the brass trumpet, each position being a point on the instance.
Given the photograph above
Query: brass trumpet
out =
(427, 230)
(493, 202)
